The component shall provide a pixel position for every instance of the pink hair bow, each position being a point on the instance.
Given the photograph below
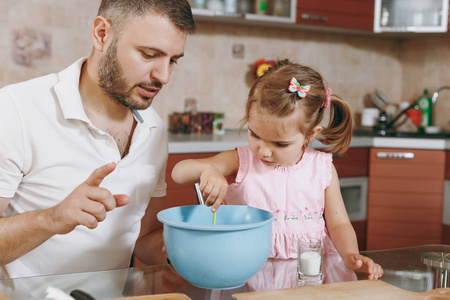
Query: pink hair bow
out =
(327, 102)
(295, 87)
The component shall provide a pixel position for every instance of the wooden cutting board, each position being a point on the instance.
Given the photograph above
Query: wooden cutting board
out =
(3, 296)
(352, 290)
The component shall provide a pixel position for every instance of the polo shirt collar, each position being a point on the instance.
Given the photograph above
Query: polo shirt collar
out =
(69, 98)
(68, 94)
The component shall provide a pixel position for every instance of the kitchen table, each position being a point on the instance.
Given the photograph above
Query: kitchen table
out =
(404, 268)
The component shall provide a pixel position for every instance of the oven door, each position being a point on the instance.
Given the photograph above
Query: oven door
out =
(354, 193)
(446, 209)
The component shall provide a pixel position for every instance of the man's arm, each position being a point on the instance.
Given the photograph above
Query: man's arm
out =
(86, 205)
(151, 241)
(22, 233)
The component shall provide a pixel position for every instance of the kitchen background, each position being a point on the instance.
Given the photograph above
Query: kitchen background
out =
(40, 37)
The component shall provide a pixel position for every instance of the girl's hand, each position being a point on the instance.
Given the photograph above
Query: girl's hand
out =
(361, 263)
(214, 187)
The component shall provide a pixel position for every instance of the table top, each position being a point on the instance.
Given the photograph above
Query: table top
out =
(403, 268)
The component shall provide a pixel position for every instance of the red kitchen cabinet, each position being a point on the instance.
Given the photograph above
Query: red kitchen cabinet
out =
(446, 228)
(351, 14)
(354, 163)
(405, 198)
(447, 166)
(446, 235)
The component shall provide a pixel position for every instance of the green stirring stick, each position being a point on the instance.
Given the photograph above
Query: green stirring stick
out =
(214, 218)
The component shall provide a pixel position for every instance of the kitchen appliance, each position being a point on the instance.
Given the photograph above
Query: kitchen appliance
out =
(438, 264)
(354, 193)
(411, 16)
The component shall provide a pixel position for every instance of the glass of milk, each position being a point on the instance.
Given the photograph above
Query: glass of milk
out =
(309, 265)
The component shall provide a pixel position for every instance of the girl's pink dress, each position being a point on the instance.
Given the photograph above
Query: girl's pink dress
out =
(294, 194)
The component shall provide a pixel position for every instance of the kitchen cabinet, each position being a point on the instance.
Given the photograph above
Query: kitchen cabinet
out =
(354, 162)
(446, 216)
(353, 168)
(245, 11)
(406, 189)
(179, 194)
(350, 14)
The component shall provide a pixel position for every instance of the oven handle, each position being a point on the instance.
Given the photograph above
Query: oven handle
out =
(395, 155)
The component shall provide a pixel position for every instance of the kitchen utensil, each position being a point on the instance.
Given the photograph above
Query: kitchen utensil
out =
(199, 195)
(379, 99)
(221, 256)
(382, 97)
(81, 295)
(201, 201)
(438, 264)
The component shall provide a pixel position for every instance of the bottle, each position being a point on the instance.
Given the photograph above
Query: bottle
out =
(244, 6)
(278, 8)
(425, 106)
(260, 7)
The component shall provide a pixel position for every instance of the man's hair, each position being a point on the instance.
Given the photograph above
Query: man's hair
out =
(118, 12)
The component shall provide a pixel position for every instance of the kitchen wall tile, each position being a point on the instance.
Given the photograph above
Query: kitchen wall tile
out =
(353, 65)
(426, 63)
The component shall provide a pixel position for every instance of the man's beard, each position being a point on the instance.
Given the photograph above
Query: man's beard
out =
(115, 85)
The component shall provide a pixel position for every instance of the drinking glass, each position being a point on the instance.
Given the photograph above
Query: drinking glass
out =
(309, 265)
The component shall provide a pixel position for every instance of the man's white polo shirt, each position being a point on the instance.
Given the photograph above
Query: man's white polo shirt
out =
(48, 147)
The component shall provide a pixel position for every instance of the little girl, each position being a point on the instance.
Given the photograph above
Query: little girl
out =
(278, 172)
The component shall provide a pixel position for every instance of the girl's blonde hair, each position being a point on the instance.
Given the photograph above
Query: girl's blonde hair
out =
(271, 98)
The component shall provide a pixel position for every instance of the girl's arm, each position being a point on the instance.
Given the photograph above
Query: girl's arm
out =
(211, 173)
(342, 233)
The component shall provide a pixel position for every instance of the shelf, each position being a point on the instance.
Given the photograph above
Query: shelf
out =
(211, 15)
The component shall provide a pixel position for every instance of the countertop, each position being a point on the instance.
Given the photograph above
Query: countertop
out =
(403, 268)
(205, 143)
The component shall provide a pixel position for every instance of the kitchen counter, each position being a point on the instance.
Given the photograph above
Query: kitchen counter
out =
(403, 268)
(204, 143)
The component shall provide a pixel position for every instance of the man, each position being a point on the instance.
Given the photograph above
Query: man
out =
(81, 169)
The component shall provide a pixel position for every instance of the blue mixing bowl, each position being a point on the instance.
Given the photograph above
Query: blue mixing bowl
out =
(221, 256)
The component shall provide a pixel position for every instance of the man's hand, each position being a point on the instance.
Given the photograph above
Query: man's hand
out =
(87, 204)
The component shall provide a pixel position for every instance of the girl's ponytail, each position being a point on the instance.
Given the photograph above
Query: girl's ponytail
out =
(338, 133)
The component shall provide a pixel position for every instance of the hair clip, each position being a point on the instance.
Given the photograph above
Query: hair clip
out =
(295, 87)
(327, 102)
